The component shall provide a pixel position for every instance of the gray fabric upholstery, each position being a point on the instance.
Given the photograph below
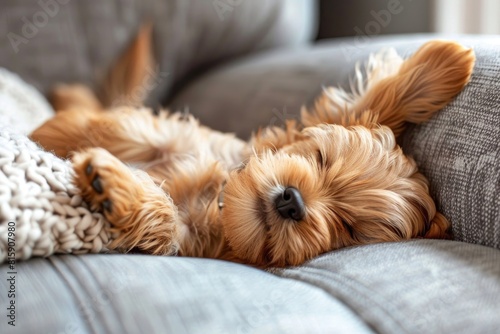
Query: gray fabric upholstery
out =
(76, 41)
(423, 286)
(146, 294)
(458, 150)
(412, 287)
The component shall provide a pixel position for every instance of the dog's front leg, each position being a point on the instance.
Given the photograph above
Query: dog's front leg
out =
(145, 217)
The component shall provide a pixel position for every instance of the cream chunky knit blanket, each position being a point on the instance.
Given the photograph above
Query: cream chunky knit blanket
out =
(41, 212)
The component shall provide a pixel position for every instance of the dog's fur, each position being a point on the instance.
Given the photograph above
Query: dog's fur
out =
(357, 185)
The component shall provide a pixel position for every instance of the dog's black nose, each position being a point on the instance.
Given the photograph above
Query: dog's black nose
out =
(290, 204)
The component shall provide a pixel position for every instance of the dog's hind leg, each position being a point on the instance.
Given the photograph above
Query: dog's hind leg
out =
(124, 84)
(142, 214)
(71, 97)
(411, 91)
(128, 134)
(132, 135)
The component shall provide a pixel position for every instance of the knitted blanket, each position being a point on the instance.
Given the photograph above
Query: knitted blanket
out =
(41, 212)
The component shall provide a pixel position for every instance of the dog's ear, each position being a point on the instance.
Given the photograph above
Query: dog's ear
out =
(425, 83)
(127, 80)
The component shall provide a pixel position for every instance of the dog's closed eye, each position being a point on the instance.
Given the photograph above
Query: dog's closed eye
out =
(320, 158)
(348, 227)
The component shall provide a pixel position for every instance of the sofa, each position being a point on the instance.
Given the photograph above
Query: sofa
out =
(238, 65)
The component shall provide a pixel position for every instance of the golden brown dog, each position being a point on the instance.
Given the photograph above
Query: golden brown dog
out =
(336, 180)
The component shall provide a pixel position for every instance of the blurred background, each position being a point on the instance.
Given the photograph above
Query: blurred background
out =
(378, 17)
(234, 64)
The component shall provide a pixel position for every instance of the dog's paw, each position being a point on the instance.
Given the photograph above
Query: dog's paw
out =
(101, 178)
(136, 207)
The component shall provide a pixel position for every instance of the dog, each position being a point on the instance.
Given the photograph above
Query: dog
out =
(334, 180)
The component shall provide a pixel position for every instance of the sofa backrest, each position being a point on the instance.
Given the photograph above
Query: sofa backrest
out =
(52, 41)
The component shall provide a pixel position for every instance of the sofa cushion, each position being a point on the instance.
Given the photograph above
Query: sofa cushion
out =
(52, 41)
(421, 286)
(147, 294)
(410, 287)
(458, 149)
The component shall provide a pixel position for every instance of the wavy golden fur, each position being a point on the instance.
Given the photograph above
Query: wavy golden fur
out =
(357, 185)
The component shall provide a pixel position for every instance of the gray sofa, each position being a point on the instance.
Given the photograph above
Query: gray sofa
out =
(236, 70)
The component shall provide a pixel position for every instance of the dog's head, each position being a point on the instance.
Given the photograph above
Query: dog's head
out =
(338, 187)
(346, 184)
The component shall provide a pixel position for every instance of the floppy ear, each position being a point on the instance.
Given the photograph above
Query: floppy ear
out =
(425, 83)
(394, 91)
